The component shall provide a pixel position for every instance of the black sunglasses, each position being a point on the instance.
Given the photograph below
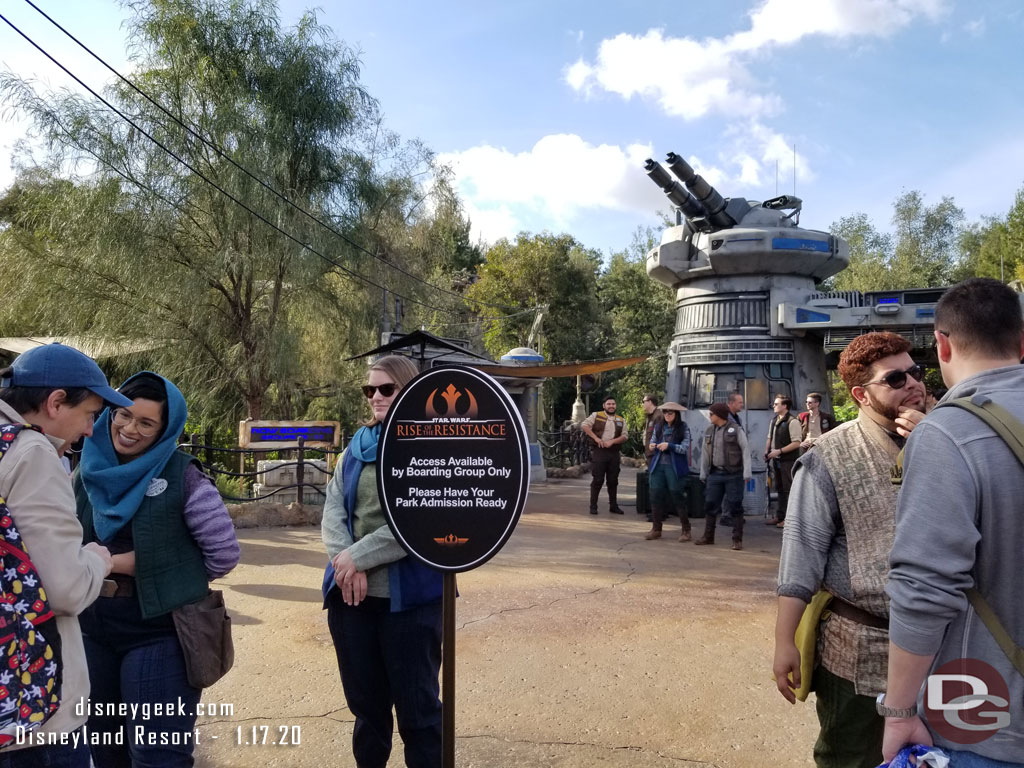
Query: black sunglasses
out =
(898, 379)
(385, 389)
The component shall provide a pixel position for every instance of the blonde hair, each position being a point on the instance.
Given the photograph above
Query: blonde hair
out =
(399, 369)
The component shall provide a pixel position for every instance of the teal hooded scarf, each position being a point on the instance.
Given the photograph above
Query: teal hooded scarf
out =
(116, 490)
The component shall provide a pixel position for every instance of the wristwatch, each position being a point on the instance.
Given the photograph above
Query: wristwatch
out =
(885, 711)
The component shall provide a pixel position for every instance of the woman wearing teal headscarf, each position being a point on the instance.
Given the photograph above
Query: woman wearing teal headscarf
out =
(169, 534)
(383, 608)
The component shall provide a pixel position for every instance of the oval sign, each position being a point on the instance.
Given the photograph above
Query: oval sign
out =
(453, 467)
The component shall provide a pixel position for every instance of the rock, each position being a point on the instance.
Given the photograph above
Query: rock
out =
(262, 515)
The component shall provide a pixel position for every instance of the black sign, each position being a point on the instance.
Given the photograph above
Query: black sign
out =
(453, 468)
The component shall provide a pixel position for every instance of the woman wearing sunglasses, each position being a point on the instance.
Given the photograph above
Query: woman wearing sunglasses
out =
(169, 534)
(383, 608)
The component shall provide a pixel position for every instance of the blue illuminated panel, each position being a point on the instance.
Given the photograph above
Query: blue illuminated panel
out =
(889, 300)
(809, 316)
(797, 244)
(314, 433)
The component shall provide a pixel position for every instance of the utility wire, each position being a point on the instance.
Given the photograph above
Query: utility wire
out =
(479, 320)
(305, 246)
(213, 184)
(220, 152)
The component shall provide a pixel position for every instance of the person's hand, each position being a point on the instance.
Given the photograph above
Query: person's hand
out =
(356, 590)
(901, 731)
(104, 554)
(349, 579)
(746, 480)
(662, 446)
(775, 454)
(123, 563)
(906, 420)
(807, 443)
(786, 668)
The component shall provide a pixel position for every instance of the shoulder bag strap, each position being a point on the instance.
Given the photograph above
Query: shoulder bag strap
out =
(1012, 432)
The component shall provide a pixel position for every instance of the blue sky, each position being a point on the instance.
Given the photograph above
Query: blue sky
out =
(546, 110)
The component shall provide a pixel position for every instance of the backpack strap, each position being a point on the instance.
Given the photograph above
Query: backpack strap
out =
(988, 617)
(1012, 432)
(10, 431)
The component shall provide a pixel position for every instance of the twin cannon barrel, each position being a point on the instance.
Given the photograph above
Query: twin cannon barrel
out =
(704, 203)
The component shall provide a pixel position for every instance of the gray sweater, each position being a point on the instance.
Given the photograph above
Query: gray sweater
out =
(376, 546)
(960, 523)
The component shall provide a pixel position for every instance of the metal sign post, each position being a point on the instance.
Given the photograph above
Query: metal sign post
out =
(453, 474)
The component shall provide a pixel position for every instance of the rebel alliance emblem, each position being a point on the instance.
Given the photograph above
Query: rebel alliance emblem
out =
(452, 398)
(156, 486)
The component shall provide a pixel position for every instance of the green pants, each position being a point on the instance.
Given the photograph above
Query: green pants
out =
(851, 729)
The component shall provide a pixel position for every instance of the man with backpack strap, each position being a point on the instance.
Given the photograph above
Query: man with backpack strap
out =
(960, 525)
(58, 391)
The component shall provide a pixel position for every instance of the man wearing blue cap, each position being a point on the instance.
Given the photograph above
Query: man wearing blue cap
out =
(58, 391)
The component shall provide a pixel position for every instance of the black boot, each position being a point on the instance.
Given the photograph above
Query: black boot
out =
(613, 505)
(594, 492)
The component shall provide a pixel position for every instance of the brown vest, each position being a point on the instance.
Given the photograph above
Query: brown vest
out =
(733, 451)
(859, 455)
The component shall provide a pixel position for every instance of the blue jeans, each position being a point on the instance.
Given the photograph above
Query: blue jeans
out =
(138, 661)
(389, 659)
(47, 756)
(959, 759)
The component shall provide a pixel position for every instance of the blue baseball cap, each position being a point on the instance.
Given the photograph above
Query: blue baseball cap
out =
(56, 366)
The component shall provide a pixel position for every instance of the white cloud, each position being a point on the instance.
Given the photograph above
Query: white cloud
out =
(691, 78)
(975, 28)
(562, 177)
(549, 185)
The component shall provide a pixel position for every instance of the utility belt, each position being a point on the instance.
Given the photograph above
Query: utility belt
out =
(850, 611)
(721, 471)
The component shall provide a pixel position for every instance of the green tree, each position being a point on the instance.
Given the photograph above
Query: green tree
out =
(869, 255)
(548, 270)
(642, 313)
(922, 251)
(144, 251)
(551, 271)
(926, 241)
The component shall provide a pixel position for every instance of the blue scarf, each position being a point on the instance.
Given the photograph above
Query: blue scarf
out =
(364, 444)
(116, 490)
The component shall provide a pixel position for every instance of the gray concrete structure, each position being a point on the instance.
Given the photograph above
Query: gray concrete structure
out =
(749, 315)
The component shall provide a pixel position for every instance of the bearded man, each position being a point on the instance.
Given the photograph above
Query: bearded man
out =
(837, 537)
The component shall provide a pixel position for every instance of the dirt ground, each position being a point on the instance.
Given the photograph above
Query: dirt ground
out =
(580, 644)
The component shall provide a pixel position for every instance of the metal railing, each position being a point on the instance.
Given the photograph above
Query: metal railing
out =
(565, 447)
(305, 470)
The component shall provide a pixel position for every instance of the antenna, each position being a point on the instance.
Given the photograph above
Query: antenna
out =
(794, 170)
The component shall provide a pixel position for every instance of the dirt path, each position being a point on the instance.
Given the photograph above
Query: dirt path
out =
(579, 645)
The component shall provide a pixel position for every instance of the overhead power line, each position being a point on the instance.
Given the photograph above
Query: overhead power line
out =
(197, 172)
(186, 164)
(220, 152)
